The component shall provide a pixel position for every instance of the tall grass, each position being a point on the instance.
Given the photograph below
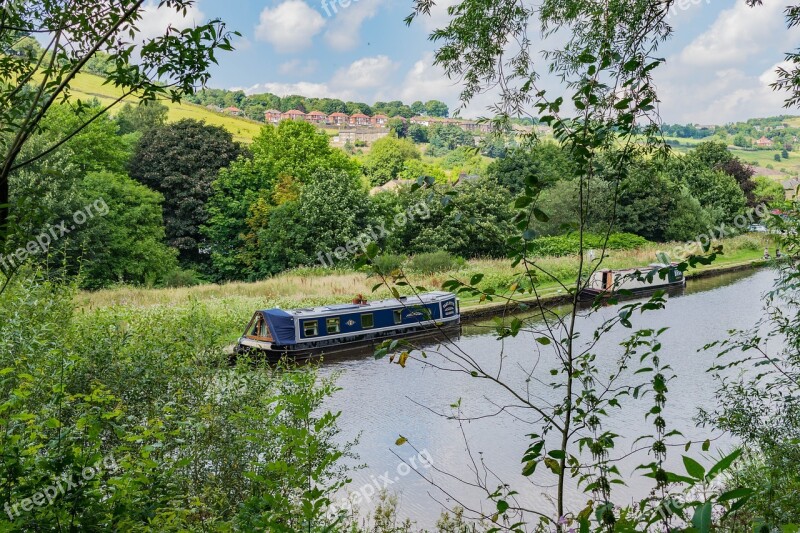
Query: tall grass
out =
(317, 286)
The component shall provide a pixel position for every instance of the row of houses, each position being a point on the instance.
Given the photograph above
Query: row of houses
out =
(360, 120)
(273, 116)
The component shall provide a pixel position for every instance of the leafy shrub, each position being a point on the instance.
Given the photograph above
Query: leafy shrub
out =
(182, 278)
(434, 262)
(570, 244)
(388, 263)
(179, 436)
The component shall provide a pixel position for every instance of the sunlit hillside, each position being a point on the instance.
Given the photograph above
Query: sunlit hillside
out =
(87, 86)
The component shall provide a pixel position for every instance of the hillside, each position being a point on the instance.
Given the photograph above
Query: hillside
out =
(87, 86)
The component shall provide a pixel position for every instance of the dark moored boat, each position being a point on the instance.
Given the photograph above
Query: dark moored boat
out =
(635, 280)
(301, 333)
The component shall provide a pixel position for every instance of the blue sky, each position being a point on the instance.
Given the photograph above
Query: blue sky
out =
(719, 61)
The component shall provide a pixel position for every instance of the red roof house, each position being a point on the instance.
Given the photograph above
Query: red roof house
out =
(293, 114)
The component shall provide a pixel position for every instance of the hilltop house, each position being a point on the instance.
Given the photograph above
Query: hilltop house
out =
(359, 119)
(233, 111)
(293, 114)
(379, 121)
(272, 116)
(317, 117)
(338, 119)
(763, 142)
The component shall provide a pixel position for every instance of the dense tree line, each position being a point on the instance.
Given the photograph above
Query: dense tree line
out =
(254, 105)
(184, 196)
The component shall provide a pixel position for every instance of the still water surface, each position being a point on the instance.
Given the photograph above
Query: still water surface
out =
(380, 401)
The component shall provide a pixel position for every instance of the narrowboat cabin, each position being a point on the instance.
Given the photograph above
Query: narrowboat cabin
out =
(302, 333)
(608, 282)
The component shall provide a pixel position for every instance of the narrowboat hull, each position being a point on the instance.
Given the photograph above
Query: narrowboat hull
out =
(609, 283)
(440, 333)
(310, 332)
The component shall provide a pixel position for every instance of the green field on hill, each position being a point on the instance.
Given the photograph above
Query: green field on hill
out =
(88, 86)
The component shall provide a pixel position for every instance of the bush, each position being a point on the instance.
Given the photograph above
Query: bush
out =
(179, 436)
(388, 263)
(434, 262)
(570, 244)
(182, 278)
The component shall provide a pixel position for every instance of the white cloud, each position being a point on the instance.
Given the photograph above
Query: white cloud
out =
(155, 20)
(290, 26)
(738, 34)
(345, 29)
(298, 67)
(303, 88)
(365, 73)
(717, 97)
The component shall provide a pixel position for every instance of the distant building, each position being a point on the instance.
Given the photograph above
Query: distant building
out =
(359, 119)
(293, 114)
(272, 116)
(317, 117)
(233, 111)
(338, 119)
(379, 121)
(763, 142)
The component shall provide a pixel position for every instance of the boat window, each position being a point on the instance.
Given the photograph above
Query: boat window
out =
(332, 325)
(310, 328)
(367, 321)
(398, 316)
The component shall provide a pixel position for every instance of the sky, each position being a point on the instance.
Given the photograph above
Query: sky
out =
(720, 59)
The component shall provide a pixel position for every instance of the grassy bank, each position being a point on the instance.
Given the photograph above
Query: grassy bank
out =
(307, 287)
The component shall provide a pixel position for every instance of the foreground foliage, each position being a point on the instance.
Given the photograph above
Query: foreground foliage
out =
(185, 441)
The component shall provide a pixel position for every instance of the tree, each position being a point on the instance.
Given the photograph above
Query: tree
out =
(546, 162)
(418, 108)
(418, 133)
(777, 158)
(126, 245)
(142, 117)
(475, 223)
(435, 108)
(398, 127)
(444, 138)
(386, 158)
(785, 154)
(559, 202)
(181, 161)
(291, 153)
(768, 191)
(743, 174)
(47, 190)
(330, 213)
(171, 65)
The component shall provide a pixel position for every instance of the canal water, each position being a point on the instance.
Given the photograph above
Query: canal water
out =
(380, 401)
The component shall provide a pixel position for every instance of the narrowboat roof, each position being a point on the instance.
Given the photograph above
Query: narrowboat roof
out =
(403, 301)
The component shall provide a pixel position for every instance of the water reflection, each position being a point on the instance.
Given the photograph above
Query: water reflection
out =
(382, 400)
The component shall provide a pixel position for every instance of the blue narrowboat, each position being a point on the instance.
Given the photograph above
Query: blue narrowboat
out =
(301, 333)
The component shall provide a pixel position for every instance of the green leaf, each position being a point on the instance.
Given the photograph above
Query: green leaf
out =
(693, 468)
(544, 341)
(734, 494)
(502, 506)
(529, 468)
(553, 465)
(400, 441)
(724, 463)
(540, 215)
(702, 517)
